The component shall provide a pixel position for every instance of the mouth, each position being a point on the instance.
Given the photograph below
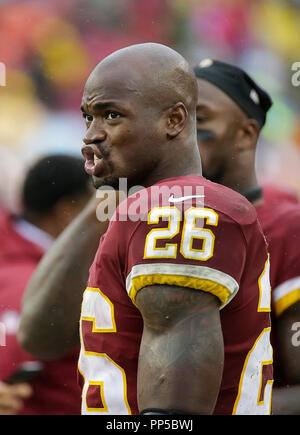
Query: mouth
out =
(93, 160)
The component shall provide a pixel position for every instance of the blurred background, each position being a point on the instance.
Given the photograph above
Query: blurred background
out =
(49, 48)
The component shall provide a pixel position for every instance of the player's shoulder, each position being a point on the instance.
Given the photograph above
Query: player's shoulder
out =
(183, 193)
(280, 221)
(275, 194)
(213, 196)
(283, 212)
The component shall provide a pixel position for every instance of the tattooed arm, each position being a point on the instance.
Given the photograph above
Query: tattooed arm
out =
(182, 352)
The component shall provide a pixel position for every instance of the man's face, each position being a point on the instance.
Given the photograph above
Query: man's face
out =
(217, 125)
(122, 131)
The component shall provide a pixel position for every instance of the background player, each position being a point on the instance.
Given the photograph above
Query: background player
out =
(231, 111)
(55, 190)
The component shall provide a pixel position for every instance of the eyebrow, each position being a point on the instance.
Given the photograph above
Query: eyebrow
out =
(101, 106)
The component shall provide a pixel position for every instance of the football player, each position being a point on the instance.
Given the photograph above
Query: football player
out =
(175, 316)
(231, 111)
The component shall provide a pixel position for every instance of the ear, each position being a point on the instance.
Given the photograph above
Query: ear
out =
(176, 120)
(248, 135)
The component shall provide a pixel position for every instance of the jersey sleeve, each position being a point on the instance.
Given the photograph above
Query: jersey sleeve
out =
(204, 251)
(286, 255)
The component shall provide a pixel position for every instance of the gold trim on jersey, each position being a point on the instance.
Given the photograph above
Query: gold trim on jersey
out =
(264, 303)
(286, 301)
(251, 372)
(285, 295)
(100, 385)
(204, 278)
(85, 354)
(93, 319)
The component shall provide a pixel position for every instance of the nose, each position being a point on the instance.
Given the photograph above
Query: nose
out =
(95, 133)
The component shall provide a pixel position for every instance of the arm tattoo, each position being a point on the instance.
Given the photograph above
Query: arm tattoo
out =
(182, 346)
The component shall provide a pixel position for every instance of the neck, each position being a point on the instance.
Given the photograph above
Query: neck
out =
(176, 164)
(253, 195)
(240, 184)
(40, 222)
(246, 184)
(239, 173)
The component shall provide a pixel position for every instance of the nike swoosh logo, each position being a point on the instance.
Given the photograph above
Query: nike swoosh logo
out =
(184, 198)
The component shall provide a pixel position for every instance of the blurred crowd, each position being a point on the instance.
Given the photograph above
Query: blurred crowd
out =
(49, 48)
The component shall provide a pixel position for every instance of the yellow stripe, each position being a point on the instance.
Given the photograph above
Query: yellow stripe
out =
(286, 301)
(206, 285)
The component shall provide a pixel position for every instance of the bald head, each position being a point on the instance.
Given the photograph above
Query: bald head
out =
(153, 71)
(140, 109)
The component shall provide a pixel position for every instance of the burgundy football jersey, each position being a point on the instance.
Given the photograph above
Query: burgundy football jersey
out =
(274, 194)
(280, 221)
(55, 390)
(185, 232)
